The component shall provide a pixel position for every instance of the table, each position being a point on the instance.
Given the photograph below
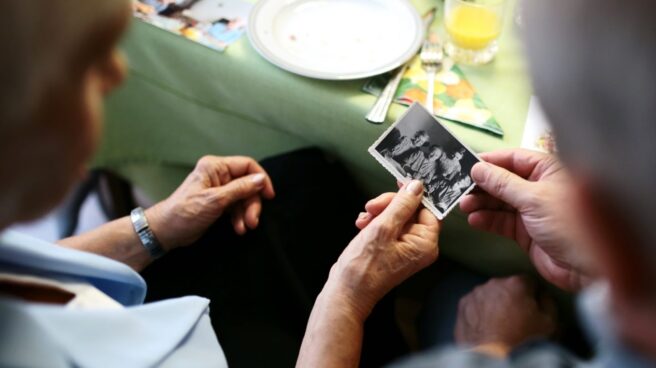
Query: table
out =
(183, 100)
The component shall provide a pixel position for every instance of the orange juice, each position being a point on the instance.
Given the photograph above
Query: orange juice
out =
(472, 27)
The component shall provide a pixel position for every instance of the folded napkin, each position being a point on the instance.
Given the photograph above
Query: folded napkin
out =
(455, 98)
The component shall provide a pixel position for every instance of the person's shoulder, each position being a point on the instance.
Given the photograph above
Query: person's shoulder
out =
(23, 252)
(25, 343)
(164, 333)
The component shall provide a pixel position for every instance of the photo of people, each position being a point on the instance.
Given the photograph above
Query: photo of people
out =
(419, 147)
(213, 23)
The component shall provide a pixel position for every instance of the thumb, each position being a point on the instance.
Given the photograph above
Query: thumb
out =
(403, 206)
(501, 183)
(238, 189)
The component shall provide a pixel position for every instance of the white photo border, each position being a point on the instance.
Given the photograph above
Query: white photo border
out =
(425, 200)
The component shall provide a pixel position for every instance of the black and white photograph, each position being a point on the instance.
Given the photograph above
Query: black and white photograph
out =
(419, 147)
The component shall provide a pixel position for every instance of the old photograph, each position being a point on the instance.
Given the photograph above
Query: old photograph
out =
(419, 147)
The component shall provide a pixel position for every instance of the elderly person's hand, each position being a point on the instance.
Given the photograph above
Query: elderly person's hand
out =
(217, 185)
(522, 198)
(397, 240)
(502, 314)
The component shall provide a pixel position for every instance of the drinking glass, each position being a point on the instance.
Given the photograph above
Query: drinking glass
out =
(473, 28)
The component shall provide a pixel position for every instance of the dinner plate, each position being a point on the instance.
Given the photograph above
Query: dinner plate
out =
(335, 39)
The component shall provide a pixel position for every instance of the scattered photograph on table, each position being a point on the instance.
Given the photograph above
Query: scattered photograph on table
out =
(418, 147)
(213, 23)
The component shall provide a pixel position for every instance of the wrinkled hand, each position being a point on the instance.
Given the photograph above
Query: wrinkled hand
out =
(524, 197)
(217, 185)
(502, 314)
(397, 240)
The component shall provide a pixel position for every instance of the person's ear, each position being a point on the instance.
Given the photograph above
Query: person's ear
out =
(612, 239)
(113, 71)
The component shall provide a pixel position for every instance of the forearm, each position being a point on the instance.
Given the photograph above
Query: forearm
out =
(116, 240)
(333, 337)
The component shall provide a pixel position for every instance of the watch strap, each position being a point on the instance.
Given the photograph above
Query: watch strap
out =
(148, 239)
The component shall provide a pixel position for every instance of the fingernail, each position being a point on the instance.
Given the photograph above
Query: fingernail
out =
(258, 179)
(415, 187)
(364, 216)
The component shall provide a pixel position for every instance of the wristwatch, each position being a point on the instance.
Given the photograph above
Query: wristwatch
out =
(148, 239)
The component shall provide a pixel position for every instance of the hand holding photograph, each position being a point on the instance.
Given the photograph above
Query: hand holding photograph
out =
(419, 147)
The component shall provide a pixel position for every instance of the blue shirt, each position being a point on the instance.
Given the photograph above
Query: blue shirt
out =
(170, 333)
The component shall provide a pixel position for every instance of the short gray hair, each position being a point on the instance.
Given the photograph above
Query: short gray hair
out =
(40, 38)
(594, 70)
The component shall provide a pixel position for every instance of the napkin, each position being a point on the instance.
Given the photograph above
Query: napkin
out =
(455, 98)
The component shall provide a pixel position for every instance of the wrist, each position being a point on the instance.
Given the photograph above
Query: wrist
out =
(342, 292)
(158, 225)
(144, 232)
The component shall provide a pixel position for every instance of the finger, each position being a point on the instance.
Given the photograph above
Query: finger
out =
(240, 166)
(418, 233)
(427, 219)
(214, 169)
(482, 201)
(519, 161)
(238, 189)
(237, 217)
(502, 184)
(364, 219)
(522, 284)
(403, 206)
(376, 206)
(253, 209)
(497, 222)
(502, 223)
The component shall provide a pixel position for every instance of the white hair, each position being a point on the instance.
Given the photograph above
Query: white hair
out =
(41, 37)
(594, 69)
(47, 47)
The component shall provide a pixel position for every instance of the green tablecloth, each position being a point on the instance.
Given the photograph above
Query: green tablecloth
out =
(183, 100)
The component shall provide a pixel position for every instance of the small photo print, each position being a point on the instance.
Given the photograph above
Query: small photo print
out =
(213, 23)
(418, 147)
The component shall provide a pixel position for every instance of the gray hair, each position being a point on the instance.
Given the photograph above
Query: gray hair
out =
(40, 38)
(594, 69)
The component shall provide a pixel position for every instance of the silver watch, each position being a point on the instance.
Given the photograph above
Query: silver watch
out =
(148, 239)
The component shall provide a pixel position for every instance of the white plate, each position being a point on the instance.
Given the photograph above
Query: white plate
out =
(336, 39)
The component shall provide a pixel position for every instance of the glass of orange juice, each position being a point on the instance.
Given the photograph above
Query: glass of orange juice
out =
(473, 28)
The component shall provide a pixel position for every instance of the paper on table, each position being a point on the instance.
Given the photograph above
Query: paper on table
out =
(538, 135)
(213, 23)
